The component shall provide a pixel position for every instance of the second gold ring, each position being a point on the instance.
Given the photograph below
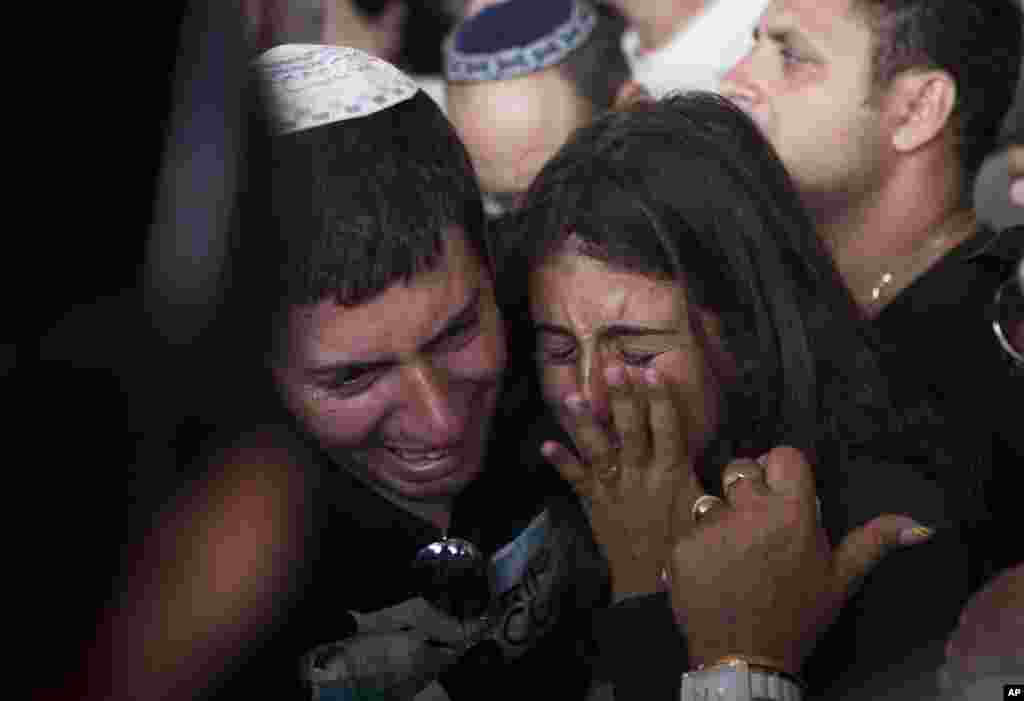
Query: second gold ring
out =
(703, 505)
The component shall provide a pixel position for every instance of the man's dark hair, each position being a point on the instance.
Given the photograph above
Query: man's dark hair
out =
(598, 68)
(978, 42)
(380, 193)
(688, 190)
(346, 210)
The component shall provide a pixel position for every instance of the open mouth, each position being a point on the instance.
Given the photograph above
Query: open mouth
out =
(421, 457)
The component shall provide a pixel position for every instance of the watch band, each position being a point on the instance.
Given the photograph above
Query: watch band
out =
(737, 681)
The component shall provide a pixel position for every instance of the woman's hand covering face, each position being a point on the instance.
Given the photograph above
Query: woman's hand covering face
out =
(757, 575)
(636, 477)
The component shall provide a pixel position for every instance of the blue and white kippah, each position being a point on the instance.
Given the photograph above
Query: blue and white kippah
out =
(311, 85)
(517, 37)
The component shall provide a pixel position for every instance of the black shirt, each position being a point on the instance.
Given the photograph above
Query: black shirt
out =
(937, 340)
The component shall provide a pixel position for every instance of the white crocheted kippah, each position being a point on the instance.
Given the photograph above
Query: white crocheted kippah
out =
(311, 85)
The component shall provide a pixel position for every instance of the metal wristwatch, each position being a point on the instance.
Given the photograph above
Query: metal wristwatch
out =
(736, 680)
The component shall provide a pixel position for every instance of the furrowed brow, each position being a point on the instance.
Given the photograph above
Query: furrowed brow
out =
(459, 321)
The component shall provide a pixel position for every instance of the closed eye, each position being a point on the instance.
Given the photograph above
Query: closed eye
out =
(638, 359)
(457, 337)
(556, 348)
(351, 383)
(559, 356)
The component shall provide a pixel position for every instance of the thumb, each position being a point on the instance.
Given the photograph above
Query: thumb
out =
(865, 547)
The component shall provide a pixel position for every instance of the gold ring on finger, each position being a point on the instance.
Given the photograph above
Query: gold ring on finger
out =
(749, 472)
(703, 505)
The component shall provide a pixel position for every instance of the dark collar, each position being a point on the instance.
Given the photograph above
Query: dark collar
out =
(1002, 247)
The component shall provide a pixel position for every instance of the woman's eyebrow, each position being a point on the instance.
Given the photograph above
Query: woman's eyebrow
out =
(612, 330)
(620, 330)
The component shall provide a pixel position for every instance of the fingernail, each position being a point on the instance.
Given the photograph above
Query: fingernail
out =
(1017, 192)
(915, 535)
(762, 460)
(548, 450)
(651, 376)
(615, 375)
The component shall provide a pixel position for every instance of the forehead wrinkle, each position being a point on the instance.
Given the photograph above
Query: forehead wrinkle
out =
(590, 317)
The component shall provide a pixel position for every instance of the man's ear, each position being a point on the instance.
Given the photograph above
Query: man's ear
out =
(922, 103)
(629, 93)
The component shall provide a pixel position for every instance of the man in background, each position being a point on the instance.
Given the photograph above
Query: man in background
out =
(521, 77)
(883, 112)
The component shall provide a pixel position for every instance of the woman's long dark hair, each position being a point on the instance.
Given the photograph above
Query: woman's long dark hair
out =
(687, 189)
